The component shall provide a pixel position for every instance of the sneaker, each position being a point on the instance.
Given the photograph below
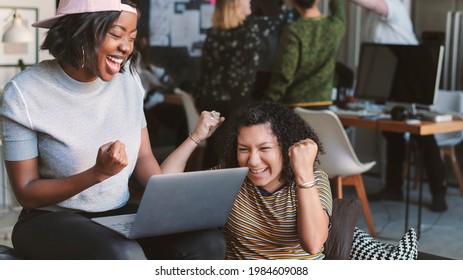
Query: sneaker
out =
(385, 194)
(439, 204)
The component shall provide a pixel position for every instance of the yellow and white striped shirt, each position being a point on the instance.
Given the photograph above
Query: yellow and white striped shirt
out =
(265, 227)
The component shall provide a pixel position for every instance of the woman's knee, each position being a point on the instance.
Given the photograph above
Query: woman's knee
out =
(196, 245)
(126, 250)
(209, 245)
(217, 246)
(74, 237)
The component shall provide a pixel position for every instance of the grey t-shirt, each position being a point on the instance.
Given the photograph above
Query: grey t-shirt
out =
(47, 114)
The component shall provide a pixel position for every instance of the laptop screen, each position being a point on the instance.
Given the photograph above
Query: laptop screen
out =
(399, 73)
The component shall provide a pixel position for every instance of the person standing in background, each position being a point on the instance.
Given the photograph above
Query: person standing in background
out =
(306, 57)
(230, 58)
(268, 8)
(389, 22)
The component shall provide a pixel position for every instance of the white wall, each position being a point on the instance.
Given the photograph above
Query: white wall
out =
(46, 8)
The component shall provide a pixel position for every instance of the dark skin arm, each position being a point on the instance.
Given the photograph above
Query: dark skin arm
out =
(32, 191)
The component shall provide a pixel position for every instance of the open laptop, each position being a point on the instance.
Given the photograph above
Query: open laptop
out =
(181, 202)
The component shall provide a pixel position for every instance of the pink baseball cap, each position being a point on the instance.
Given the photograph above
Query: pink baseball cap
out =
(69, 7)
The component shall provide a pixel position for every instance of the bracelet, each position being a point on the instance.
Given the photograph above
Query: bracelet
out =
(194, 140)
(307, 185)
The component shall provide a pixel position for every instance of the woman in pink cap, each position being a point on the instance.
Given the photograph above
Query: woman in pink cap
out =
(74, 132)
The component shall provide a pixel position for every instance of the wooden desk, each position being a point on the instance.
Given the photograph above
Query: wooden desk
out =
(358, 122)
(422, 128)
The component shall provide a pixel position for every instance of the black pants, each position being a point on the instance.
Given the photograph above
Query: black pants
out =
(73, 236)
(430, 157)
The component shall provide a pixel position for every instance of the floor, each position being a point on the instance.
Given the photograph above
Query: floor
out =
(7, 220)
(440, 232)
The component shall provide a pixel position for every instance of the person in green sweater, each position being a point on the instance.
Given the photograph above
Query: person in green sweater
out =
(304, 71)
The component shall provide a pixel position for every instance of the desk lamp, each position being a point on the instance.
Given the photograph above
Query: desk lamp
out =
(17, 32)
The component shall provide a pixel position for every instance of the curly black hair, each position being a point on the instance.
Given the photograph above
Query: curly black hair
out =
(75, 38)
(285, 124)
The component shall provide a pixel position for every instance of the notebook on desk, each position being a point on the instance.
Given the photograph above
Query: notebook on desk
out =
(435, 116)
(181, 202)
(362, 113)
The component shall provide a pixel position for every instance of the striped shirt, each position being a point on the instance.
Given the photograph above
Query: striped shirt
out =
(265, 227)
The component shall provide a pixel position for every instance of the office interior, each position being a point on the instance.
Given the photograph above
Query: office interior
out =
(181, 61)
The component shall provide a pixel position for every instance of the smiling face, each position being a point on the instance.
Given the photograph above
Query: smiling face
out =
(258, 149)
(117, 45)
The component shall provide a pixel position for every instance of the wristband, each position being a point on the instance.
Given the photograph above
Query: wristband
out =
(194, 140)
(307, 185)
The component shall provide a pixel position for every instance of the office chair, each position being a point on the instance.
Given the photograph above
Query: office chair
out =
(340, 162)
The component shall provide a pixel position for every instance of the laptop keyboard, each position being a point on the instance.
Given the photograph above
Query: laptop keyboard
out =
(123, 227)
(361, 113)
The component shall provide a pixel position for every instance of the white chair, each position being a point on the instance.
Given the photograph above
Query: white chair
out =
(192, 117)
(340, 162)
(450, 102)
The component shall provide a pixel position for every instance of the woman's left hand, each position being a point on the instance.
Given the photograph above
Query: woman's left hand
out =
(208, 122)
(302, 156)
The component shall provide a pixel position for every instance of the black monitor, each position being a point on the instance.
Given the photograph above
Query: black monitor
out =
(407, 74)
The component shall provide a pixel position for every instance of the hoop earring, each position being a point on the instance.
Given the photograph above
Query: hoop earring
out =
(83, 58)
(125, 61)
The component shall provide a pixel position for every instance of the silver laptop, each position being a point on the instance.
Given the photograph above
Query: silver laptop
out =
(181, 202)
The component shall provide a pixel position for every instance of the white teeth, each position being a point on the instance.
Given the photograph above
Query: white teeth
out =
(257, 171)
(117, 60)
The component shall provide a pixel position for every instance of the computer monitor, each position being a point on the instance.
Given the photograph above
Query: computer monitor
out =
(403, 74)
